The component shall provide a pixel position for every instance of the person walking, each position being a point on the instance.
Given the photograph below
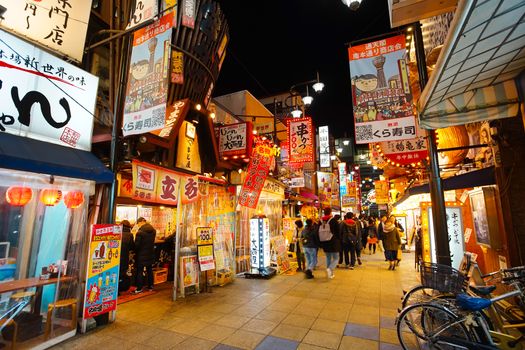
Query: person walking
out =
(372, 236)
(310, 239)
(144, 254)
(126, 247)
(330, 240)
(380, 234)
(391, 242)
(297, 241)
(349, 240)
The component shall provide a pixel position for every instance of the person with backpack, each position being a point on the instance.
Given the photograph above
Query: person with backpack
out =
(310, 239)
(330, 240)
(348, 229)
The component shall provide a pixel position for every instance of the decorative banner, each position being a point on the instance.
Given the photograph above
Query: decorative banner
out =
(301, 140)
(382, 101)
(235, 139)
(177, 67)
(257, 172)
(101, 290)
(188, 13)
(147, 88)
(351, 188)
(60, 26)
(167, 188)
(381, 192)
(324, 147)
(144, 11)
(44, 98)
(190, 190)
(188, 156)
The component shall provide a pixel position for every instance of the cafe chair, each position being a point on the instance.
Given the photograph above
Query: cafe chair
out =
(10, 322)
(57, 305)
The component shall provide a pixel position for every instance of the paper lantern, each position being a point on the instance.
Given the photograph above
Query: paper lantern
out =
(50, 197)
(74, 199)
(453, 136)
(18, 196)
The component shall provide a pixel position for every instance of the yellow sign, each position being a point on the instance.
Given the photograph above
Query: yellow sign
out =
(204, 235)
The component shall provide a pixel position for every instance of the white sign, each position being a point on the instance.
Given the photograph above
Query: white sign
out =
(144, 11)
(468, 232)
(464, 196)
(455, 240)
(297, 182)
(233, 139)
(324, 160)
(59, 25)
(43, 97)
(260, 243)
(324, 140)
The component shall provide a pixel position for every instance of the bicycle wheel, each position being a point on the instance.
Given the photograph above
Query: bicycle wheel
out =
(420, 294)
(420, 325)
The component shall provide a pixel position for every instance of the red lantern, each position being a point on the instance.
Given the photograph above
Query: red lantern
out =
(74, 199)
(50, 197)
(18, 196)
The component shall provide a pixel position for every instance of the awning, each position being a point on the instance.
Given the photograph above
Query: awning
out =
(22, 153)
(483, 177)
(474, 76)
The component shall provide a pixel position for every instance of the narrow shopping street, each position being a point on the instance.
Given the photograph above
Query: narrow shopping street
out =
(356, 310)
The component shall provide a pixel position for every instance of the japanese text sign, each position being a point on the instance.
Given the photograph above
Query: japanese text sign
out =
(324, 147)
(382, 101)
(381, 188)
(204, 235)
(205, 254)
(174, 114)
(300, 139)
(256, 174)
(177, 67)
(188, 13)
(60, 25)
(43, 97)
(235, 139)
(455, 235)
(102, 270)
(260, 243)
(147, 89)
(144, 10)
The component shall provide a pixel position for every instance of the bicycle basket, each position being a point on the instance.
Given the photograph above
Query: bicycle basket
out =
(443, 278)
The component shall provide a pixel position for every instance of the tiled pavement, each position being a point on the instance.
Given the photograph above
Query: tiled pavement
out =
(356, 310)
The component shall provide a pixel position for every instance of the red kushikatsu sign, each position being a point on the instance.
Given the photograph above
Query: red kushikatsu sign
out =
(301, 140)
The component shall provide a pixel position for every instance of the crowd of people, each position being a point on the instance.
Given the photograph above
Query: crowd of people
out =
(344, 239)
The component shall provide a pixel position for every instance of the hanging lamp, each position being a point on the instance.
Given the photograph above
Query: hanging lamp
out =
(74, 199)
(18, 196)
(50, 197)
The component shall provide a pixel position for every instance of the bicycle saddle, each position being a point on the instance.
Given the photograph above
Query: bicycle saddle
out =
(483, 290)
(469, 303)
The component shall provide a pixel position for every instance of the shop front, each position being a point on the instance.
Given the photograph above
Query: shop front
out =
(47, 176)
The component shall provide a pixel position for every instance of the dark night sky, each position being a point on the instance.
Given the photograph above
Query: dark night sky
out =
(275, 44)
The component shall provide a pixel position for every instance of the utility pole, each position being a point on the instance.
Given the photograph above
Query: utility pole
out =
(439, 215)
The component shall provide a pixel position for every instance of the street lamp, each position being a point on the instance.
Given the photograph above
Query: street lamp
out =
(352, 4)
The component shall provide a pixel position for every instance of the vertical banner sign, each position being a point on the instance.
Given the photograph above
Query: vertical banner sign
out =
(455, 235)
(324, 147)
(235, 139)
(341, 167)
(205, 248)
(177, 67)
(301, 139)
(102, 270)
(381, 192)
(260, 243)
(147, 89)
(256, 175)
(381, 96)
(144, 11)
(43, 97)
(59, 25)
(188, 13)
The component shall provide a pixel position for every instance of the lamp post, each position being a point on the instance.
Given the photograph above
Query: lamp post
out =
(352, 4)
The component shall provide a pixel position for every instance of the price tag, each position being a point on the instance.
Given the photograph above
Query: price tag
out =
(204, 235)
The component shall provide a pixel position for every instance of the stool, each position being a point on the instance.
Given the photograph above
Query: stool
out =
(57, 305)
(4, 323)
(22, 295)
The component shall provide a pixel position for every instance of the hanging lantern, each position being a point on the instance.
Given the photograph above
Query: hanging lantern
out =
(50, 197)
(74, 199)
(18, 196)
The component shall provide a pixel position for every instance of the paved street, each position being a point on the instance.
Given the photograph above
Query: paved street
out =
(356, 310)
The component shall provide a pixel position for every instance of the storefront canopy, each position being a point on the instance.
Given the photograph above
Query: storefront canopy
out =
(474, 76)
(22, 153)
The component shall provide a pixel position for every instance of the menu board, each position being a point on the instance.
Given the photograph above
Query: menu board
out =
(102, 270)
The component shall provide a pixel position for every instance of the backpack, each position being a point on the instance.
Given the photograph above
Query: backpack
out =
(325, 234)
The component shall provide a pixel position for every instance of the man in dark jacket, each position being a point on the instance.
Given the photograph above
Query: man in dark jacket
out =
(125, 248)
(144, 253)
(349, 239)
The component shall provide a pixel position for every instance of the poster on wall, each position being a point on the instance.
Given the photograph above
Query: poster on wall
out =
(381, 96)
(147, 89)
(101, 290)
(43, 97)
(60, 26)
(301, 140)
(235, 139)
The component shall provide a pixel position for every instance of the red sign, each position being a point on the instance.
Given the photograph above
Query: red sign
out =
(257, 172)
(301, 140)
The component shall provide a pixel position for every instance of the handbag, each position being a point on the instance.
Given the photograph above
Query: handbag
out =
(291, 247)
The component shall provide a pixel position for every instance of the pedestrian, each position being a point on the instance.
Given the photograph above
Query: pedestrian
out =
(380, 234)
(297, 241)
(144, 254)
(349, 240)
(310, 239)
(126, 247)
(330, 240)
(364, 232)
(372, 236)
(391, 242)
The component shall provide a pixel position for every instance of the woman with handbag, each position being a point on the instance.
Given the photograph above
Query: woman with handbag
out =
(301, 263)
